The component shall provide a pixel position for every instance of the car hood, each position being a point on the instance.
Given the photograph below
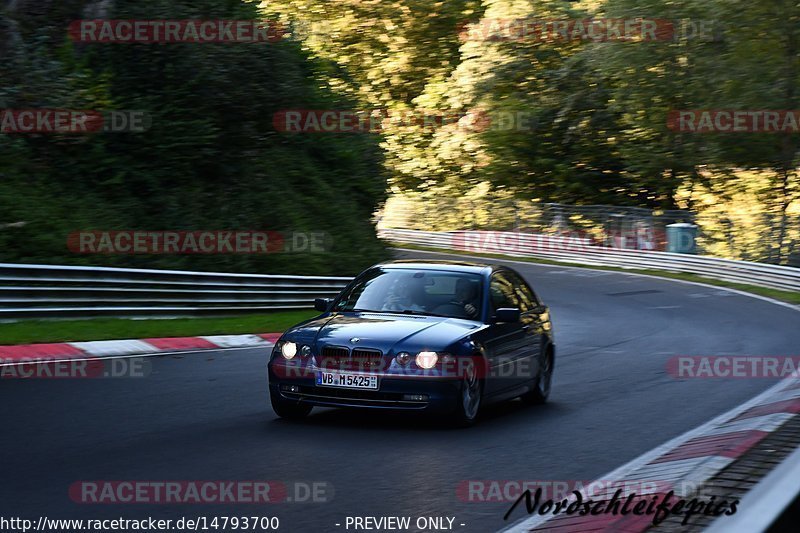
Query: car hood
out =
(385, 332)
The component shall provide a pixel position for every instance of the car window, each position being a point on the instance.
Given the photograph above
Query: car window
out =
(527, 300)
(434, 292)
(362, 290)
(502, 292)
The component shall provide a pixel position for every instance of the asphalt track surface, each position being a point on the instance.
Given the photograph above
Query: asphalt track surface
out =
(206, 416)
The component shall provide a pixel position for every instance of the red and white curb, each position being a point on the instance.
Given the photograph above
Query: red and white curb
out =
(686, 462)
(26, 353)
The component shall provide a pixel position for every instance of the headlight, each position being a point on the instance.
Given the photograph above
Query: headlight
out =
(403, 358)
(289, 350)
(427, 360)
(305, 350)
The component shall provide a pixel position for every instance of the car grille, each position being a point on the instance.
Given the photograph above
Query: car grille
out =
(335, 352)
(352, 394)
(360, 360)
(354, 397)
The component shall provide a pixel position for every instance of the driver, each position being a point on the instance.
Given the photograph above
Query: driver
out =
(466, 297)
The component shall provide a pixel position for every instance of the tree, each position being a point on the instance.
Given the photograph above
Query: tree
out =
(211, 159)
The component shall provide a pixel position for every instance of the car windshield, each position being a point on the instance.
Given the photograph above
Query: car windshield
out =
(423, 292)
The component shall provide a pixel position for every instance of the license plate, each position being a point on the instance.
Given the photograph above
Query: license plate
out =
(347, 381)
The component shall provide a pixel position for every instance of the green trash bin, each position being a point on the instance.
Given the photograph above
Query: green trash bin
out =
(682, 238)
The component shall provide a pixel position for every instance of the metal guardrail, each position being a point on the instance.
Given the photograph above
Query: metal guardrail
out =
(584, 251)
(29, 291)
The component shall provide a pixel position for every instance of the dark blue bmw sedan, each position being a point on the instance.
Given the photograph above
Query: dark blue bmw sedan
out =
(442, 337)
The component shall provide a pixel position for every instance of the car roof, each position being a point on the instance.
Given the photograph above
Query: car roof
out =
(443, 265)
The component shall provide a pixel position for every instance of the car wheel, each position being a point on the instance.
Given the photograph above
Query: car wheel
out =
(289, 409)
(541, 389)
(469, 402)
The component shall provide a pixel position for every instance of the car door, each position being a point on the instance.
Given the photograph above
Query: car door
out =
(506, 343)
(531, 319)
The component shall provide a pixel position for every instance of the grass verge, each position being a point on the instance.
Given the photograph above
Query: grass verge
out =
(37, 331)
(784, 296)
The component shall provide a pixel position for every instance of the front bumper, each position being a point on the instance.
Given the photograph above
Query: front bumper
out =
(442, 394)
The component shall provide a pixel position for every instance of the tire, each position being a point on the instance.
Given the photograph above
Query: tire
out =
(542, 386)
(289, 409)
(469, 399)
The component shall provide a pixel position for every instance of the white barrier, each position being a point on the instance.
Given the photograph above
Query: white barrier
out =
(582, 250)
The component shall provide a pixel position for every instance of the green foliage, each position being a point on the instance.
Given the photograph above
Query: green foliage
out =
(101, 329)
(596, 117)
(211, 159)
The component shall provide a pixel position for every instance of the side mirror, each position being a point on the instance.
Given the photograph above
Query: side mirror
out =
(322, 304)
(507, 314)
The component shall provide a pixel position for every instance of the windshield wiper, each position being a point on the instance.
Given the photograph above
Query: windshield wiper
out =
(421, 313)
(403, 312)
(385, 311)
(375, 311)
